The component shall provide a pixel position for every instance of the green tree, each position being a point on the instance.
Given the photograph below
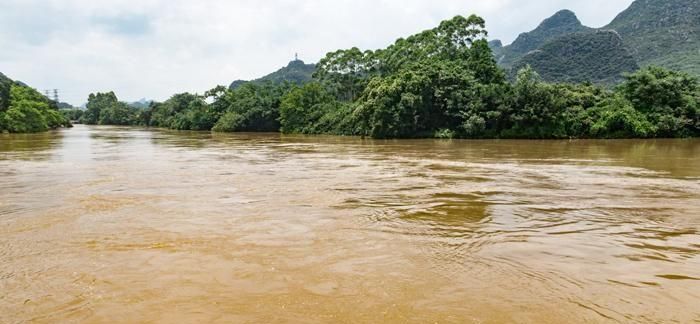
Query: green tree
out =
(197, 116)
(117, 113)
(96, 104)
(617, 118)
(166, 114)
(537, 108)
(346, 72)
(26, 116)
(428, 98)
(5, 86)
(669, 99)
(30, 112)
(303, 107)
(72, 114)
(253, 108)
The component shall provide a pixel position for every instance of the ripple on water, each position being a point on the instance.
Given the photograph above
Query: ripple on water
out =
(200, 227)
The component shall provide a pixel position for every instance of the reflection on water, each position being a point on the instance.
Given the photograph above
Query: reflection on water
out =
(107, 224)
(29, 146)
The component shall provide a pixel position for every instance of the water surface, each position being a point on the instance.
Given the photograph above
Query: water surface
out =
(108, 224)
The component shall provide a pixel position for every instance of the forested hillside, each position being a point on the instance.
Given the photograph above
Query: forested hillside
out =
(599, 57)
(560, 24)
(654, 32)
(296, 72)
(662, 32)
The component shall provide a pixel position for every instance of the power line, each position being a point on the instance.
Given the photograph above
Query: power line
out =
(52, 94)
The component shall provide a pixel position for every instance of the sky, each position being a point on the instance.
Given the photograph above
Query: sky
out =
(155, 48)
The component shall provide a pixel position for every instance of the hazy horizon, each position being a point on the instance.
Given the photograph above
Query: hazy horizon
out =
(154, 48)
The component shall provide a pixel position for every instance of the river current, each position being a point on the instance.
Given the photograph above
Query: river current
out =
(126, 225)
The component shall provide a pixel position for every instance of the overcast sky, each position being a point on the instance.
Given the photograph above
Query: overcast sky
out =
(156, 48)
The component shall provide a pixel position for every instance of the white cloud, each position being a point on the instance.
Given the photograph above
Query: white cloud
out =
(155, 48)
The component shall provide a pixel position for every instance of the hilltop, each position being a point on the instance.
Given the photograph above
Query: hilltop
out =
(296, 72)
(649, 32)
(561, 23)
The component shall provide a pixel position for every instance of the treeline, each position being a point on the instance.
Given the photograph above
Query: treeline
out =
(443, 83)
(24, 110)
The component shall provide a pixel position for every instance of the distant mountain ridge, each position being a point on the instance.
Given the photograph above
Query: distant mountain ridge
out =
(296, 72)
(653, 32)
(141, 104)
(561, 23)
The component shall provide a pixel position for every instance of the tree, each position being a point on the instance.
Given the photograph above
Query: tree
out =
(346, 72)
(165, 114)
(431, 97)
(668, 98)
(617, 118)
(5, 86)
(72, 114)
(303, 107)
(96, 103)
(253, 108)
(442, 80)
(30, 112)
(537, 108)
(117, 113)
(26, 117)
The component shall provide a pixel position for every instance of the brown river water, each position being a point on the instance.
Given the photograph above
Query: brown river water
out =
(129, 225)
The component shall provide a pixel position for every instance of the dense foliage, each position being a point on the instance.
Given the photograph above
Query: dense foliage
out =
(443, 82)
(24, 110)
(106, 109)
(5, 85)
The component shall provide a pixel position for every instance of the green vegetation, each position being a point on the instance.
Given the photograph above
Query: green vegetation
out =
(296, 72)
(598, 57)
(560, 24)
(252, 107)
(24, 110)
(662, 32)
(5, 85)
(73, 114)
(443, 82)
(106, 109)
